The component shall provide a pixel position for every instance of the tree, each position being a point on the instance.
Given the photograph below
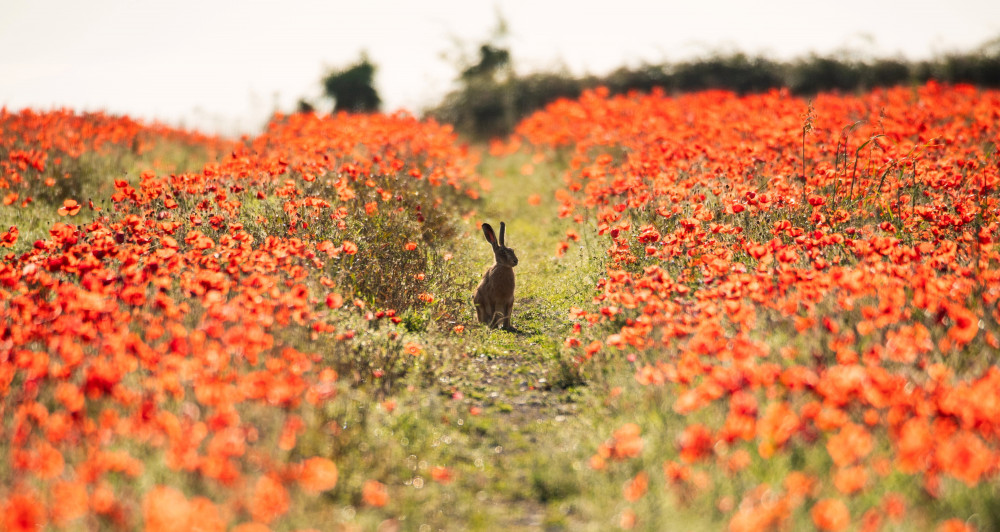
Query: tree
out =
(484, 103)
(492, 60)
(352, 89)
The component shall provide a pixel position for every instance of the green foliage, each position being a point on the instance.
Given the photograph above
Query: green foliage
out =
(737, 72)
(487, 83)
(492, 60)
(352, 88)
(487, 106)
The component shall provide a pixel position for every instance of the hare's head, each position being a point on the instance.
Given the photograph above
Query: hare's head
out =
(503, 254)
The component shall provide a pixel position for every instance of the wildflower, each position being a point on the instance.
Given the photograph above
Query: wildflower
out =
(636, 487)
(850, 480)
(317, 475)
(165, 509)
(799, 485)
(23, 512)
(413, 348)
(9, 237)
(894, 507)
(205, 516)
(289, 432)
(269, 500)
(778, 424)
(334, 300)
(695, 442)
(442, 475)
(628, 519)
(966, 457)
(374, 493)
(955, 525)
(49, 462)
(913, 445)
(830, 514)
(70, 207)
(738, 461)
(624, 443)
(966, 324)
(851, 443)
(72, 502)
(871, 521)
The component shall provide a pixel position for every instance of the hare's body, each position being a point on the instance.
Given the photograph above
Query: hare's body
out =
(494, 297)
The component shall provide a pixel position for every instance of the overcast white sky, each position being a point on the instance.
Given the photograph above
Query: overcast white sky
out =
(225, 65)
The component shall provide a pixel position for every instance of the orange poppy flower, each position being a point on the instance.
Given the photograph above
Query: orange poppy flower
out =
(850, 444)
(49, 462)
(776, 427)
(23, 512)
(9, 237)
(830, 514)
(894, 506)
(70, 207)
(966, 324)
(317, 475)
(289, 432)
(374, 493)
(625, 442)
(850, 480)
(71, 502)
(628, 520)
(442, 475)
(955, 525)
(636, 487)
(695, 442)
(413, 348)
(966, 457)
(269, 499)
(165, 509)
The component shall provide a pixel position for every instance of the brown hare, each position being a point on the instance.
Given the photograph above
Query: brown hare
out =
(494, 297)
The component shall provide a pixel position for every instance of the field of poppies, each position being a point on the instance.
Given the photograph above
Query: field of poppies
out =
(809, 292)
(149, 346)
(752, 313)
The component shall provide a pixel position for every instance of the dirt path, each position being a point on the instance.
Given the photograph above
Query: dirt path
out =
(525, 394)
(525, 362)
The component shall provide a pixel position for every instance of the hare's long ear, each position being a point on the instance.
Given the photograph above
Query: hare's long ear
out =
(491, 237)
(503, 228)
